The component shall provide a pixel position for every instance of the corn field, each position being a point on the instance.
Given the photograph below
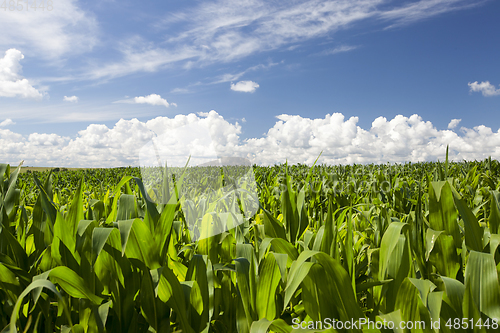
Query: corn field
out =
(90, 251)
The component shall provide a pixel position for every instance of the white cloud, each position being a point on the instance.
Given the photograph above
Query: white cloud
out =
(99, 145)
(72, 99)
(74, 112)
(63, 30)
(293, 138)
(180, 91)
(12, 84)
(45, 139)
(225, 30)
(486, 88)
(422, 9)
(454, 123)
(7, 122)
(228, 77)
(338, 49)
(300, 140)
(152, 99)
(245, 86)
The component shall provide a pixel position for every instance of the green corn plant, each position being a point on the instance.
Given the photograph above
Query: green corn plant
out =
(90, 251)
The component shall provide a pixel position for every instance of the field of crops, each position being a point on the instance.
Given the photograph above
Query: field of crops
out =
(89, 251)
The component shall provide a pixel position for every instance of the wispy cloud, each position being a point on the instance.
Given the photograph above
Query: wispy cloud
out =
(65, 29)
(486, 88)
(228, 77)
(81, 112)
(141, 56)
(223, 30)
(338, 49)
(152, 99)
(72, 99)
(423, 9)
(180, 91)
(245, 86)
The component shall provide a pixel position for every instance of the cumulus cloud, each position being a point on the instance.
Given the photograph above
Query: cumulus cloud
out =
(72, 99)
(400, 139)
(39, 149)
(152, 99)
(100, 145)
(7, 122)
(293, 138)
(245, 86)
(454, 123)
(12, 84)
(44, 139)
(486, 88)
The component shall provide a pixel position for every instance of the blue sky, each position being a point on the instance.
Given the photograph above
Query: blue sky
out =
(88, 84)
